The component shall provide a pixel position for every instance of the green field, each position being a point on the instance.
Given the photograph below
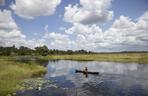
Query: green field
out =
(141, 58)
(13, 72)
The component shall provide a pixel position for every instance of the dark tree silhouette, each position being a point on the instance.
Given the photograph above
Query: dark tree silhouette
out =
(40, 50)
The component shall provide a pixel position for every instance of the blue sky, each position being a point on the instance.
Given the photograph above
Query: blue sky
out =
(79, 26)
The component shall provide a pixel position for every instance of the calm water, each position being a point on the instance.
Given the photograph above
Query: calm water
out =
(115, 79)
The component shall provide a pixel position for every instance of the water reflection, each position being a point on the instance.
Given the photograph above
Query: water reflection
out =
(115, 79)
(34, 59)
(68, 67)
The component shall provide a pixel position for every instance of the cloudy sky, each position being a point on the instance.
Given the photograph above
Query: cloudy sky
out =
(96, 25)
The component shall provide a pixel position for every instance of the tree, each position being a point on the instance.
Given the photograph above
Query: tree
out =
(43, 50)
(25, 51)
(69, 52)
(8, 51)
(40, 50)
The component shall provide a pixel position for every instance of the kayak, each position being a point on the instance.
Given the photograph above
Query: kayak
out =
(80, 71)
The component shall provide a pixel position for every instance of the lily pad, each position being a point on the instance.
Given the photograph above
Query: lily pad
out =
(35, 83)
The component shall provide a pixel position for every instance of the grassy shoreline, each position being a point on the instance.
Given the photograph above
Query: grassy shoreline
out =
(13, 72)
(141, 58)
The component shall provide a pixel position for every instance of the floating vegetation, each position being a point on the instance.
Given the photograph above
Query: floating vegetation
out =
(35, 83)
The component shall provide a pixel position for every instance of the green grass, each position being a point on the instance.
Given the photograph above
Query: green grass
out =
(13, 72)
(141, 58)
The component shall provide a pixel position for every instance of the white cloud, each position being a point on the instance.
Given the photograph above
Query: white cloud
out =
(62, 28)
(143, 21)
(34, 8)
(83, 29)
(124, 34)
(75, 39)
(89, 12)
(9, 31)
(11, 34)
(34, 42)
(46, 28)
(58, 41)
(144, 16)
(86, 36)
(6, 21)
(130, 32)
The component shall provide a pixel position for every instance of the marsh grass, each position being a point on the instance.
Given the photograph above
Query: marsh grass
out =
(12, 72)
(141, 58)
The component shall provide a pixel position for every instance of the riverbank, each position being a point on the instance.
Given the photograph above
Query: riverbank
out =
(140, 58)
(12, 72)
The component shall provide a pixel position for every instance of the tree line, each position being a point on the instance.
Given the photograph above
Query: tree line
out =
(40, 50)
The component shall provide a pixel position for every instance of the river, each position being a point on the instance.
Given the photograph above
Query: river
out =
(115, 79)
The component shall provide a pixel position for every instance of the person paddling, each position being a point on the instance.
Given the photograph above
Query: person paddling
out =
(85, 70)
